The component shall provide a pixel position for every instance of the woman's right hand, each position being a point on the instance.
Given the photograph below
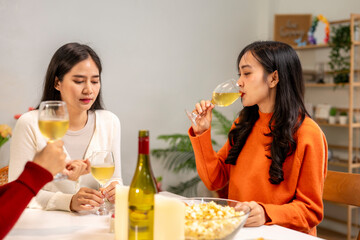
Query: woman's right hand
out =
(86, 199)
(76, 168)
(203, 110)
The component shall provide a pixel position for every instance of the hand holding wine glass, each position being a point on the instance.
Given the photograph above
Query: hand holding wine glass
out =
(109, 191)
(53, 123)
(203, 112)
(51, 157)
(102, 169)
(223, 95)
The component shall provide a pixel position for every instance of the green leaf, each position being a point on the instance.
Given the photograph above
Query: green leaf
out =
(3, 140)
(187, 188)
(340, 44)
(221, 124)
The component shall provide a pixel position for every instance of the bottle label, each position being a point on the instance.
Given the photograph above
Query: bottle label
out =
(144, 145)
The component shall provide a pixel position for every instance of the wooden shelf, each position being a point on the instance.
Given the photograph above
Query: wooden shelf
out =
(340, 21)
(317, 46)
(354, 125)
(320, 85)
(307, 47)
(339, 162)
(341, 147)
(355, 84)
(343, 164)
(351, 147)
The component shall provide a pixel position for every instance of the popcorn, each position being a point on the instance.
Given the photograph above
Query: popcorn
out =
(211, 220)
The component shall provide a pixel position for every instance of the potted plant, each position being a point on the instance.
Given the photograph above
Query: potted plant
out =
(332, 115)
(343, 117)
(340, 43)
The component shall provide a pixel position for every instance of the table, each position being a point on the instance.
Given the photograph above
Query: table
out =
(40, 224)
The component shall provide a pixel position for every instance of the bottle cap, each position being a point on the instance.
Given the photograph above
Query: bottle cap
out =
(143, 133)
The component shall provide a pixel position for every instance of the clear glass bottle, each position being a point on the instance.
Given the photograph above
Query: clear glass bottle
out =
(141, 194)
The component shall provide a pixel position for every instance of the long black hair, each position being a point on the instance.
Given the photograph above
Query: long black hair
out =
(64, 59)
(289, 110)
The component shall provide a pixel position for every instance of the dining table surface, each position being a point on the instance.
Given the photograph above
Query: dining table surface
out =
(41, 224)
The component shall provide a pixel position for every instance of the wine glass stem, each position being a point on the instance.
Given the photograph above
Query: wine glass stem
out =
(192, 116)
(102, 207)
(59, 176)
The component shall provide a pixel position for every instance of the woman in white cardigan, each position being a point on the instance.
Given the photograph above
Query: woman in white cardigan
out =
(73, 76)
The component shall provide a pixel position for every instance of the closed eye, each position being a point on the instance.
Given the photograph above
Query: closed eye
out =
(246, 74)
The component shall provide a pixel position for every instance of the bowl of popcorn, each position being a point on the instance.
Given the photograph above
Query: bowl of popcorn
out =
(213, 218)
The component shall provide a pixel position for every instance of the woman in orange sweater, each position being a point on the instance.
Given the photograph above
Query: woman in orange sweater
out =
(275, 158)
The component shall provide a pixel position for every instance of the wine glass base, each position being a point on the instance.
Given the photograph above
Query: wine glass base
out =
(192, 116)
(101, 212)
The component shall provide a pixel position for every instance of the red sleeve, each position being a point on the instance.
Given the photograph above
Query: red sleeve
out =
(15, 196)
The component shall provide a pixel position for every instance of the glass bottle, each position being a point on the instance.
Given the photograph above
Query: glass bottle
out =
(141, 194)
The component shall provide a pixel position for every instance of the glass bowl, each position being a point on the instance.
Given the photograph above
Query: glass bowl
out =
(213, 218)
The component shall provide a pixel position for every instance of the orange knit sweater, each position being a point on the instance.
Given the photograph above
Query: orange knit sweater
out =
(296, 202)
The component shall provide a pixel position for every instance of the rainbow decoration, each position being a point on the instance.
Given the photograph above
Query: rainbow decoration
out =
(311, 38)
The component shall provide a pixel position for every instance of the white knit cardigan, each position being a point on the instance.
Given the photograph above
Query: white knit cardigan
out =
(27, 140)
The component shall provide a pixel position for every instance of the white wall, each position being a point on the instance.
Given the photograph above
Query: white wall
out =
(159, 57)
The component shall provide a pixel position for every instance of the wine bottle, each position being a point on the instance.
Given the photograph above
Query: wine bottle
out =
(141, 194)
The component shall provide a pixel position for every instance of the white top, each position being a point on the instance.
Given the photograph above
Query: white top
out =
(76, 142)
(27, 140)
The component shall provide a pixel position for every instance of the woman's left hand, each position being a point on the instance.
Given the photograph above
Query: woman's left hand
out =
(109, 191)
(257, 214)
(76, 168)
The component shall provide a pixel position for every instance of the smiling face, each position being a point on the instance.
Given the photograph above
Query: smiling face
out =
(257, 87)
(80, 86)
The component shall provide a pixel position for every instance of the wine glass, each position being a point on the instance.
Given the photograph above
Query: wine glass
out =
(53, 123)
(102, 169)
(225, 94)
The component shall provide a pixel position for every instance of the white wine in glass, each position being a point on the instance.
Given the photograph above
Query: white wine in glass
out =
(224, 99)
(53, 123)
(53, 129)
(224, 94)
(103, 172)
(102, 169)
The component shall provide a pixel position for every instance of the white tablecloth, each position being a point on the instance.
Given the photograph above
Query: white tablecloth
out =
(39, 224)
